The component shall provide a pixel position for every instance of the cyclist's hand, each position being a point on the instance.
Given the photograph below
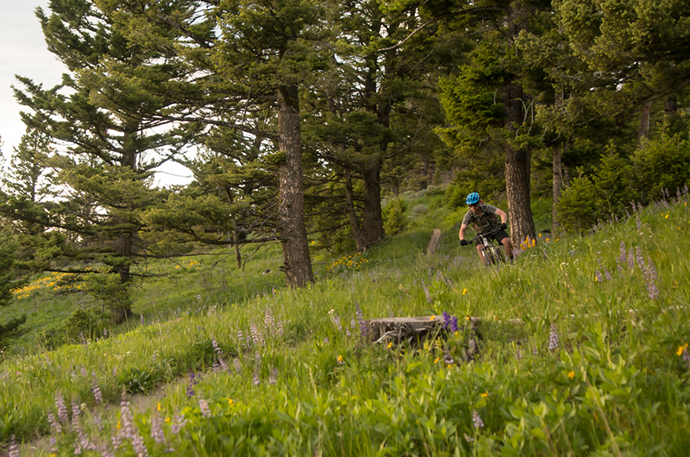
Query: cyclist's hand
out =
(463, 242)
(503, 226)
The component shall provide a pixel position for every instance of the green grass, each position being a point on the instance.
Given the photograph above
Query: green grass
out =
(615, 385)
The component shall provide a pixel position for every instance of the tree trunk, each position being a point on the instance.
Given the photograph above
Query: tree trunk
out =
(671, 106)
(643, 130)
(517, 170)
(354, 222)
(557, 184)
(293, 233)
(372, 221)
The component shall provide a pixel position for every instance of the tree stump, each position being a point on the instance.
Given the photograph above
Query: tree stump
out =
(415, 330)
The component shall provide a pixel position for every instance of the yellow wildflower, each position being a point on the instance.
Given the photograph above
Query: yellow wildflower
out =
(230, 401)
(119, 425)
(167, 419)
(159, 406)
(390, 345)
(571, 374)
(464, 291)
(680, 350)
(485, 394)
(432, 318)
(436, 361)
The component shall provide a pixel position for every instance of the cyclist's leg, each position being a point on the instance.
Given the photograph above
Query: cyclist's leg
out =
(504, 239)
(480, 251)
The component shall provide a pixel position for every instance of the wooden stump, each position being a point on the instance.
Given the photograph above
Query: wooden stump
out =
(415, 330)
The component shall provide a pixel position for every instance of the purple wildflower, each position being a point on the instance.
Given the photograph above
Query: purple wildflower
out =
(190, 388)
(597, 275)
(257, 370)
(639, 258)
(238, 366)
(446, 319)
(638, 222)
(205, 410)
(54, 424)
(62, 409)
(360, 319)
(219, 352)
(426, 292)
(257, 337)
(476, 419)
(273, 379)
(454, 324)
(97, 394)
(178, 423)
(650, 275)
(336, 320)
(269, 321)
(14, 447)
(553, 338)
(156, 429)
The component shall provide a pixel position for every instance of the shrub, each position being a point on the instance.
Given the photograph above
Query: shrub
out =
(600, 197)
(10, 329)
(394, 217)
(661, 164)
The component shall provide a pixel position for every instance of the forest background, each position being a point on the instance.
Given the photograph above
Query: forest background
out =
(305, 116)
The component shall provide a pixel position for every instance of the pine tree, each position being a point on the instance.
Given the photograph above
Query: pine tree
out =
(105, 118)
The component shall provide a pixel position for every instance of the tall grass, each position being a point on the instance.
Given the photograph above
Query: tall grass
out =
(582, 352)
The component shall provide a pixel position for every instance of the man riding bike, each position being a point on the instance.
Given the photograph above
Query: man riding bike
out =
(484, 218)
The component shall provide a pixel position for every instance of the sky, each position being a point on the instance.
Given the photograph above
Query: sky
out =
(23, 52)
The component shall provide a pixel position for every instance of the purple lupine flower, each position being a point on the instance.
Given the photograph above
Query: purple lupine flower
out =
(360, 319)
(446, 320)
(238, 366)
(639, 258)
(426, 292)
(279, 327)
(638, 222)
(97, 394)
(336, 320)
(553, 338)
(62, 409)
(106, 451)
(257, 370)
(650, 275)
(597, 275)
(178, 424)
(240, 338)
(325, 340)
(454, 324)
(205, 410)
(84, 442)
(98, 421)
(269, 321)
(257, 338)
(476, 419)
(273, 379)
(607, 274)
(54, 424)
(631, 259)
(219, 353)
(190, 386)
(14, 447)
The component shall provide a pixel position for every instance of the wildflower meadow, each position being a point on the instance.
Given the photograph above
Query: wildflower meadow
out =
(580, 347)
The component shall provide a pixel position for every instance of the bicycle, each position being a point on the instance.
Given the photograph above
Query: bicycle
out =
(492, 253)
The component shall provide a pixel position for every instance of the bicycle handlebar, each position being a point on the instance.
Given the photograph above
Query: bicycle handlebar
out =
(485, 235)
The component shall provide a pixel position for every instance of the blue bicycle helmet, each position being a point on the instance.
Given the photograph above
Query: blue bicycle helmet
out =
(472, 198)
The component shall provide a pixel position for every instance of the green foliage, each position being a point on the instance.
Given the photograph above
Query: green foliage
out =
(10, 329)
(138, 381)
(109, 292)
(8, 248)
(661, 164)
(618, 182)
(395, 217)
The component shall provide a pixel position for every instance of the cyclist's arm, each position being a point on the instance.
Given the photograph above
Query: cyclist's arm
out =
(461, 234)
(500, 213)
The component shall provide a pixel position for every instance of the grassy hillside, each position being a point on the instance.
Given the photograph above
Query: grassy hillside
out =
(583, 351)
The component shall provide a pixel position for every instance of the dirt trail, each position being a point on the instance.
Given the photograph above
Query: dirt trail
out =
(433, 242)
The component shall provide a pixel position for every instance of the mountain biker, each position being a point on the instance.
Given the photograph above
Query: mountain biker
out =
(484, 218)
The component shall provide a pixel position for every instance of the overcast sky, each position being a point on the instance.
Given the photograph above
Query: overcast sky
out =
(23, 52)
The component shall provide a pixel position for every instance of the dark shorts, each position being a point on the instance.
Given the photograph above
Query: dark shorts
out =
(498, 236)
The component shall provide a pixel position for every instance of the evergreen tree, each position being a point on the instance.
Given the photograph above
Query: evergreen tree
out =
(105, 117)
